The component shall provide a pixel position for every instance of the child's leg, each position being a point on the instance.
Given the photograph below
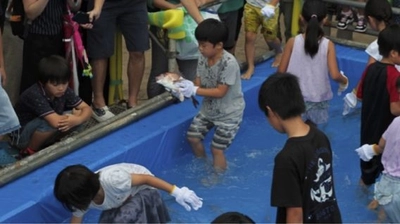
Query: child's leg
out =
(361, 22)
(252, 20)
(197, 147)
(199, 127)
(34, 135)
(249, 49)
(39, 138)
(224, 134)
(345, 18)
(270, 33)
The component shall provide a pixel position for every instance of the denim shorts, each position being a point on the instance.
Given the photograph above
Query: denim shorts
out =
(317, 112)
(8, 119)
(224, 134)
(37, 124)
(387, 193)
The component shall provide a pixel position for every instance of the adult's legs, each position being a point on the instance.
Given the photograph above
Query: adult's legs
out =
(135, 71)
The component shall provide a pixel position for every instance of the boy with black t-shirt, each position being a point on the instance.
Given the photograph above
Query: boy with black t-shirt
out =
(380, 99)
(302, 183)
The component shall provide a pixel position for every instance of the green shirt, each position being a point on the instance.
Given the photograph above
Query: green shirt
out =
(231, 5)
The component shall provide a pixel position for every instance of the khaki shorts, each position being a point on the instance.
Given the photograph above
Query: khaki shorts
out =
(254, 19)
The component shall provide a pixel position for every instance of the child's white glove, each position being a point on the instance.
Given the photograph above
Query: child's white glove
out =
(350, 102)
(342, 87)
(187, 198)
(187, 88)
(268, 11)
(366, 152)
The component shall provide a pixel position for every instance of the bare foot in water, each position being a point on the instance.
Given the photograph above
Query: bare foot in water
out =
(277, 60)
(248, 73)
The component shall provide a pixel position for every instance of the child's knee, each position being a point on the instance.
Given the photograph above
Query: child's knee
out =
(193, 140)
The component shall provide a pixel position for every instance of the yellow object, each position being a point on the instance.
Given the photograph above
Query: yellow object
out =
(171, 19)
(297, 4)
(115, 93)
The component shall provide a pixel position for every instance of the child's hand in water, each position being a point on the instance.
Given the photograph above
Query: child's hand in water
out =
(187, 198)
(343, 86)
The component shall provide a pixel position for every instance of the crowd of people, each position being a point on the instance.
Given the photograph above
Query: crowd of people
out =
(294, 102)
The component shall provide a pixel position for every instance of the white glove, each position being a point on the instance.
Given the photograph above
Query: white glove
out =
(187, 198)
(366, 152)
(268, 11)
(350, 102)
(187, 88)
(342, 87)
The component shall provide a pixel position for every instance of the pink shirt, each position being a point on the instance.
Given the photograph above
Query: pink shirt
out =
(391, 153)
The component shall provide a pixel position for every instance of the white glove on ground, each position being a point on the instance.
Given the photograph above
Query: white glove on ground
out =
(187, 198)
(187, 88)
(366, 152)
(350, 102)
(268, 11)
(342, 87)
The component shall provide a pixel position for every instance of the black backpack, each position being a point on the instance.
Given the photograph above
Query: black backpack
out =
(18, 21)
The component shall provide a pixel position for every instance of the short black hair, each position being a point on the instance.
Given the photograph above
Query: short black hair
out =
(54, 69)
(389, 39)
(232, 217)
(211, 30)
(76, 186)
(281, 92)
(379, 10)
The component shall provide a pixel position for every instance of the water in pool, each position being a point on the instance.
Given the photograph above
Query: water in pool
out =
(245, 187)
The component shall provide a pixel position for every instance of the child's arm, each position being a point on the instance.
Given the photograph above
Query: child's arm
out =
(164, 5)
(82, 114)
(395, 108)
(33, 8)
(287, 52)
(218, 92)
(192, 9)
(75, 219)
(184, 196)
(294, 215)
(333, 66)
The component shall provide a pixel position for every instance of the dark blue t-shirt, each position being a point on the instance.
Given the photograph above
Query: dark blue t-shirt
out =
(34, 103)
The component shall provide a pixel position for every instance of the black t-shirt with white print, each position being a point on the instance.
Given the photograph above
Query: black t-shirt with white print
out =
(303, 177)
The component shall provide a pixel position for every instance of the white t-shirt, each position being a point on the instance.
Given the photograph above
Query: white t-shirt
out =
(116, 181)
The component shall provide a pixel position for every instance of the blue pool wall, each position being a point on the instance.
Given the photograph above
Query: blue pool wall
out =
(157, 142)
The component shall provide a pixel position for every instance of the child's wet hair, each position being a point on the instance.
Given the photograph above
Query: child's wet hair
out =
(211, 30)
(54, 69)
(379, 10)
(76, 186)
(389, 39)
(282, 94)
(232, 217)
(313, 12)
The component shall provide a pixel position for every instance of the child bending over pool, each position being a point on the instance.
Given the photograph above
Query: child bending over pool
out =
(127, 193)
(218, 81)
(302, 182)
(312, 57)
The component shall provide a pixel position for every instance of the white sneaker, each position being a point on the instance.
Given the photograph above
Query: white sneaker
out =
(350, 102)
(102, 114)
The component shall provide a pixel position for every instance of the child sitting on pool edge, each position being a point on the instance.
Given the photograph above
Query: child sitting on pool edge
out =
(306, 195)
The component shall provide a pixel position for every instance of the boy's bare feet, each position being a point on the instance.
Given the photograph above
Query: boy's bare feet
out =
(248, 73)
(277, 60)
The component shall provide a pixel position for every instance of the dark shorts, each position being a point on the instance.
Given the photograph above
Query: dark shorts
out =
(230, 19)
(130, 17)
